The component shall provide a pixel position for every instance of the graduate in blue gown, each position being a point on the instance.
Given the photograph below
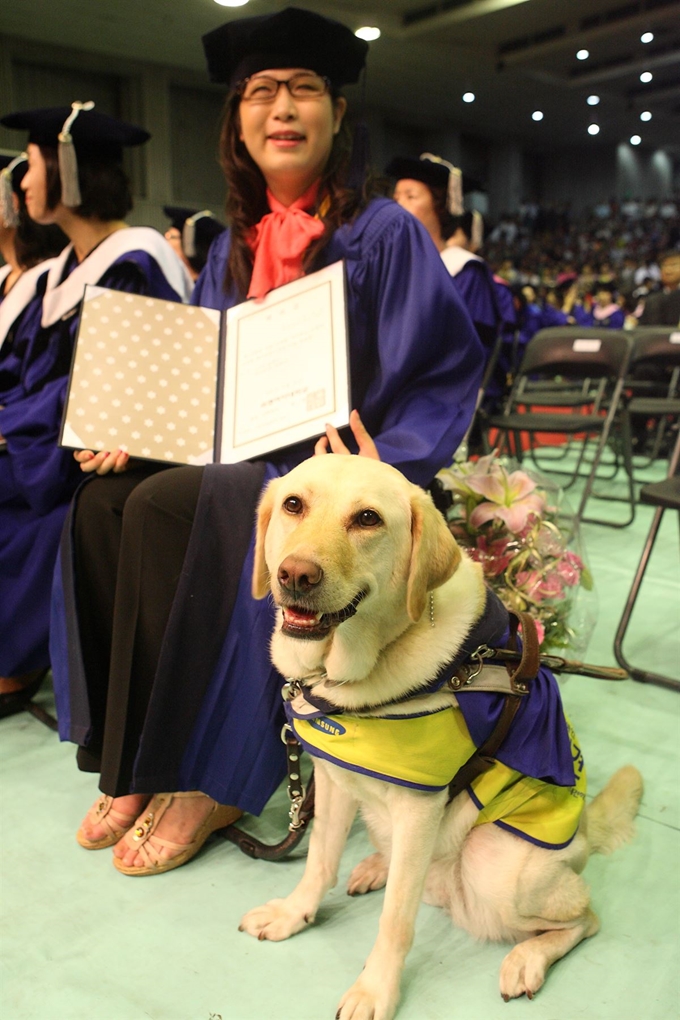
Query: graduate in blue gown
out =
(27, 249)
(603, 312)
(37, 478)
(190, 234)
(176, 692)
(431, 189)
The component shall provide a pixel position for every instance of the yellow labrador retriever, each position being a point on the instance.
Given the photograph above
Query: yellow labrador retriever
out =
(374, 599)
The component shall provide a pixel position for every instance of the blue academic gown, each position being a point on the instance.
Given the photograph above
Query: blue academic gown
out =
(508, 327)
(37, 477)
(615, 320)
(475, 284)
(213, 723)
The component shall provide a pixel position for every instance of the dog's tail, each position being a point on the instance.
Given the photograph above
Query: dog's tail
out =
(610, 815)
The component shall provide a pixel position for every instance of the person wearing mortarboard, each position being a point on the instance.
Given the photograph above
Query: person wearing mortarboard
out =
(23, 243)
(75, 181)
(190, 234)
(432, 190)
(28, 250)
(189, 646)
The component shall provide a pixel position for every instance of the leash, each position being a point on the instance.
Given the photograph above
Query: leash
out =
(301, 809)
(515, 684)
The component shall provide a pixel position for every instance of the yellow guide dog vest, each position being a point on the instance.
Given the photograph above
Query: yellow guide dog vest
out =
(425, 751)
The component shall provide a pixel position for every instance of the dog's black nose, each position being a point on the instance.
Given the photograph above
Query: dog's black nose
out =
(297, 575)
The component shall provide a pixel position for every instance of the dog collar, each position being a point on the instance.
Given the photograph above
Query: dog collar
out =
(487, 632)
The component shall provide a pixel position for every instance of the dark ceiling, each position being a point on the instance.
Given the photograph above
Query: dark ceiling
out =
(517, 56)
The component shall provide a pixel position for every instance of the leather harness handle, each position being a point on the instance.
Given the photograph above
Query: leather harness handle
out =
(530, 662)
(527, 669)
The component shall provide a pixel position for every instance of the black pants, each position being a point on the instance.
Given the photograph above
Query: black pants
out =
(131, 536)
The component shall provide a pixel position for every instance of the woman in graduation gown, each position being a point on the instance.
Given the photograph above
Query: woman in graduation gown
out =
(28, 250)
(190, 234)
(37, 478)
(176, 692)
(431, 189)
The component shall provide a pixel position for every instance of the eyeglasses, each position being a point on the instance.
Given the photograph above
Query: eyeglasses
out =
(300, 86)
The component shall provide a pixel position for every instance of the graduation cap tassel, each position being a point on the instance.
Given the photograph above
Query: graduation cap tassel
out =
(68, 160)
(454, 188)
(189, 232)
(477, 237)
(8, 213)
(454, 192)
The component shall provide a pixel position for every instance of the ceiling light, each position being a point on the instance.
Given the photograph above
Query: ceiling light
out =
(231, 3)
(593, 129)
(645, 115)
(582, 54)
(468, 97)
(369, 33)
(537, 115)
(593, 100)
(635, 139)
(646, 37)
(646, 77)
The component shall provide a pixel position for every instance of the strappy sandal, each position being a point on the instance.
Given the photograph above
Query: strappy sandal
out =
(144, 840)
(115, 822)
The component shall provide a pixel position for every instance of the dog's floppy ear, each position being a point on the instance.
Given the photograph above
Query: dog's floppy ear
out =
(434, 553)
(261, 585)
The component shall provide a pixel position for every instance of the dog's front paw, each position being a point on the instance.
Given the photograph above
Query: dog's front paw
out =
(370, 874)
(522, 973)
(366, 1000)
(275, 921)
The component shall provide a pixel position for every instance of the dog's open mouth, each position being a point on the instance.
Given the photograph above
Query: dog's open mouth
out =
(306, 623)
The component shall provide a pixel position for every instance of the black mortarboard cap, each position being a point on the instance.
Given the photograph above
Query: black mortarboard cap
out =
(178, 215)
(433, 171)
(78, 133)
(96, 136)
(198, 228)
(291, 38)
(435, 175)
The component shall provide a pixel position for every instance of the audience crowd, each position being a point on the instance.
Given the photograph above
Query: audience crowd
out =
(565, 259)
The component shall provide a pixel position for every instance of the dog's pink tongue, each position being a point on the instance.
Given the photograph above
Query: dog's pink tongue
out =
(300, 617)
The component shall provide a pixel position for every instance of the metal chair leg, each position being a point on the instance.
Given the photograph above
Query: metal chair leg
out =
(641, 675)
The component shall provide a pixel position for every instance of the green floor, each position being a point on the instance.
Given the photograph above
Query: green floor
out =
(82, 942)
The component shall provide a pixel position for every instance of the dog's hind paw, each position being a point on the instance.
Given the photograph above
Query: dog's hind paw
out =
(275, 921)
(522, 973)
(369, 875)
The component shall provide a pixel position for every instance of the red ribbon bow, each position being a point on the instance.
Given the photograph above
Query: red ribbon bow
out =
(280, 240)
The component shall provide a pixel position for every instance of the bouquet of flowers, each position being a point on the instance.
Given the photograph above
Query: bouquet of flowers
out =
(517, 525)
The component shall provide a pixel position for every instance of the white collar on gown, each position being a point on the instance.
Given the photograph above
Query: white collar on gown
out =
(61, 298)
(455, 257)
(21, 294)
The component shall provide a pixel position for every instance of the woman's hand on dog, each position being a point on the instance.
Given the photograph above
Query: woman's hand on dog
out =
(332, 443)
(102, 462)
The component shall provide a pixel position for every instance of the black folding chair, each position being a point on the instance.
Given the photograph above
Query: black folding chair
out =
(663, 495)
(653, 382)
(593, 362)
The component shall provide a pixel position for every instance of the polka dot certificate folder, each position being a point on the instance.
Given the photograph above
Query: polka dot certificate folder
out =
(160, 380)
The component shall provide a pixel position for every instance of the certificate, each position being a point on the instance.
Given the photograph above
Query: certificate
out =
(189, 385)
(286, 367)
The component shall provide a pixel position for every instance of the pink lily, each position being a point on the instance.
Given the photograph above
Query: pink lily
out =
(509, 498)
(461, 478)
